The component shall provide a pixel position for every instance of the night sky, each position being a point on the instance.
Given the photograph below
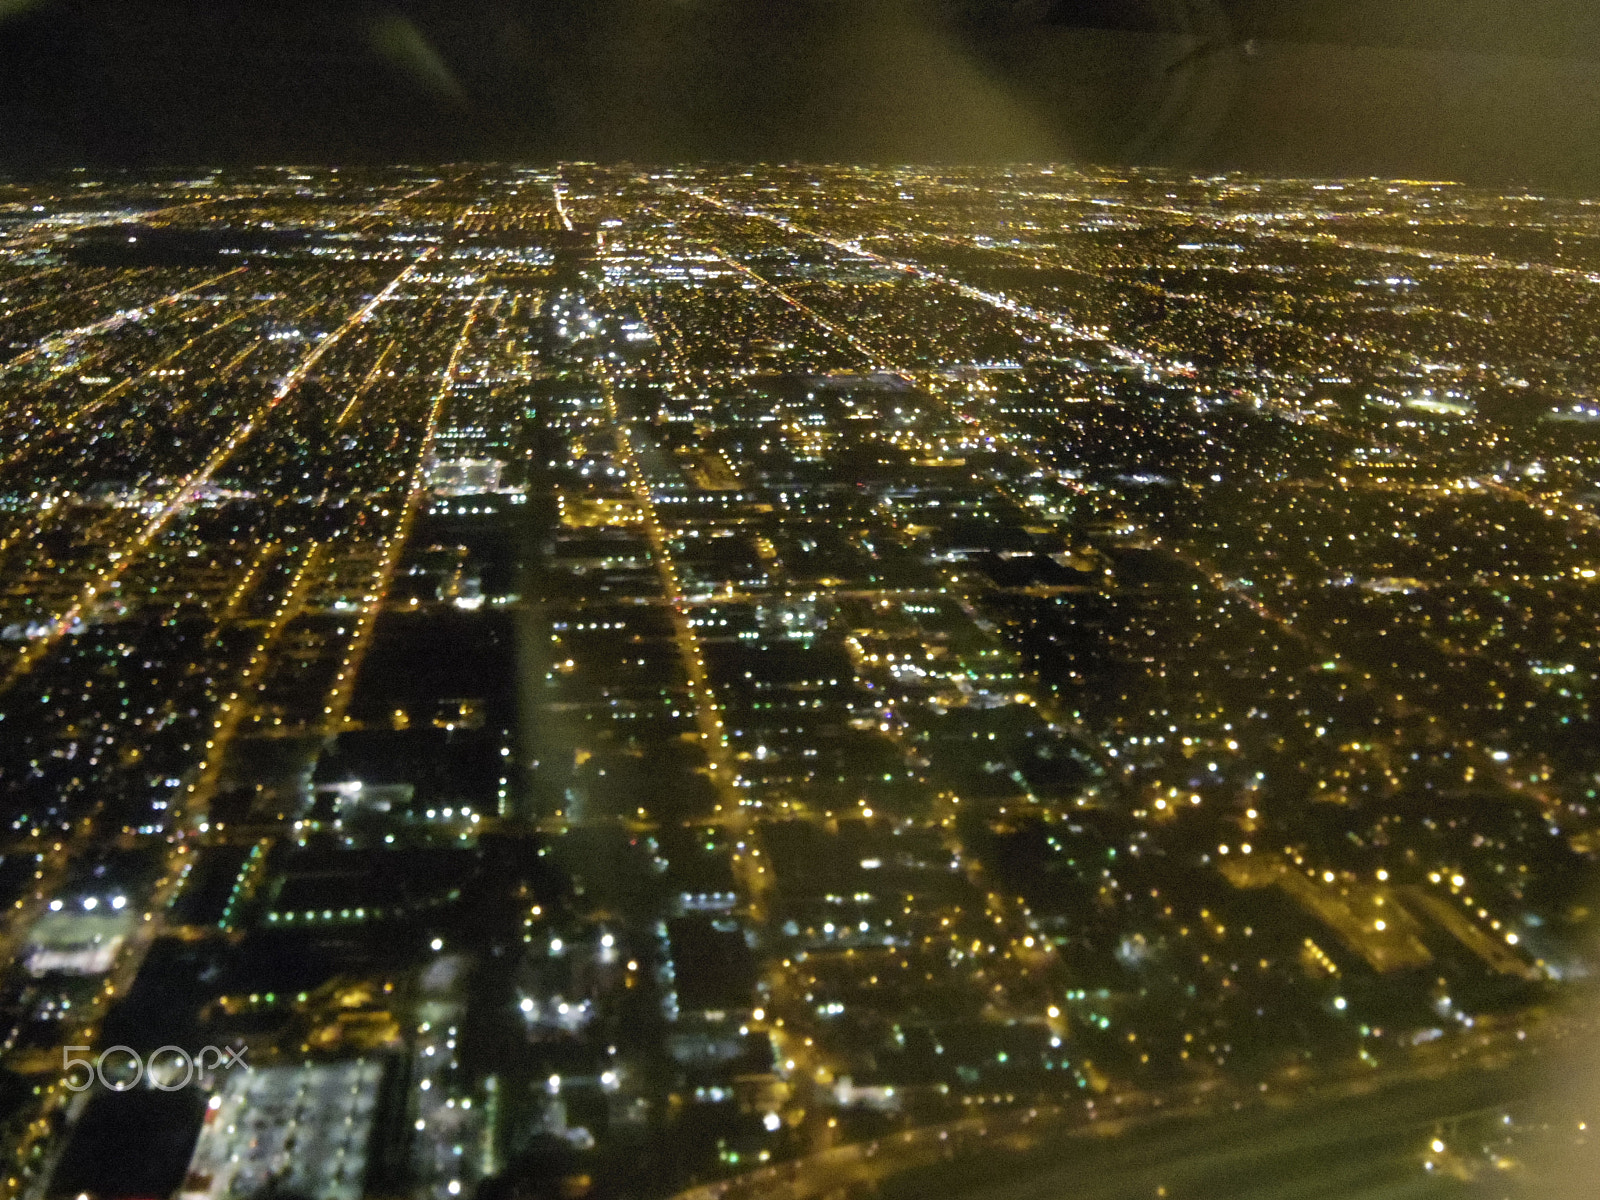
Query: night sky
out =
(1472, 89)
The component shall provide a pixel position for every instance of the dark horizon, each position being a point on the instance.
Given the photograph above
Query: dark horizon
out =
(1310, 89)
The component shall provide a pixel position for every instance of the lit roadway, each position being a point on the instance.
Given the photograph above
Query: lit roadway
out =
(994, 299)
(234, 709)
(713, 733)
(1354, 1135)
(1336, 1147)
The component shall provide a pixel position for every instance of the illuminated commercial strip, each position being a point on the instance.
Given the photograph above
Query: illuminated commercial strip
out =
(754, 878)
(559, 192)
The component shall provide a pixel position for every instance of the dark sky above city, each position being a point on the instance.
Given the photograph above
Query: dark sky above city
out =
(1484, 90)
